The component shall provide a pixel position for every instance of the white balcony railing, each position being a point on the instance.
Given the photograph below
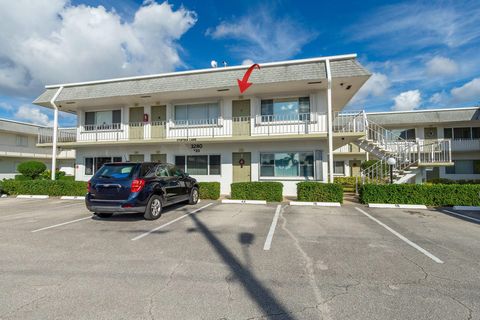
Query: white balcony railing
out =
(465, 144)
(250, 126)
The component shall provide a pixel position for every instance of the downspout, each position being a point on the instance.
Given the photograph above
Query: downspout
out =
(55, 131)
(329, 121)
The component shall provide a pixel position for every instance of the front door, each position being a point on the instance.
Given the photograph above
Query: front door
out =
(159, 117)
(430, 133)
(241, 166)
(158, 157)
(241, 117)
(136, 123)
(355, 168)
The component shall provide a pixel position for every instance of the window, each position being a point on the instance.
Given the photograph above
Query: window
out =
(406, 134)
(22, 141)
(180, 162)
(339, 167)
(462, 133)
(102, 120)
(285, 109)
(286, 164)
(199, 164)
(203, 113)
(476, 133)
(464, 167)
(215, 165)
(93, 164)
(448, 133)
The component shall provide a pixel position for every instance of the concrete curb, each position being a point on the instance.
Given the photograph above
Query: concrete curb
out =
(396, 206)
(244, 201)
(466, 208)
(72, 198)
(28, 196)
(317, 204)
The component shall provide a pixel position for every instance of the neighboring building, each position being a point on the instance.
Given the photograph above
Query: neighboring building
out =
(18, 144)
(283, 128)
(461, 125)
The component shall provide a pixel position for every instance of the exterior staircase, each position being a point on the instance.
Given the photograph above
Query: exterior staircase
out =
(411, 156)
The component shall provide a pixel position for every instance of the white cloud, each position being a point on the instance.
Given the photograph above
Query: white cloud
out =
(441, 66)
(33, 115)
(6, 106)
(408, 100)
(376, 86)
(247, 62)
(261, 36)
(420, 25)
(439, 98)
(52, 41)
(469, 92)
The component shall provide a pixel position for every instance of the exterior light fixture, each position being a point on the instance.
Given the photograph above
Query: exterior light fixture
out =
(391, 162)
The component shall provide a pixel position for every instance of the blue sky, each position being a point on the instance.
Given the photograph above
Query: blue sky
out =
(421, 54)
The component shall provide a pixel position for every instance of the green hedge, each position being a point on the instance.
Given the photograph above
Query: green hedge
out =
(209, 190)
(430, 195)
(348, 183)
(448, 181)
(269, 191)
(319, 192)
(48, 187)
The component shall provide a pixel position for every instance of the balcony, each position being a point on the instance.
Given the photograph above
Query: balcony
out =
(241, 128)
(462, 145)
(33, 152)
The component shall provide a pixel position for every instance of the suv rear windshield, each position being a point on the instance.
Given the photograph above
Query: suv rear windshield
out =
(116, 171)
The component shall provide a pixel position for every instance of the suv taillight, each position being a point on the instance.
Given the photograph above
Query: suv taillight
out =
(89, 186)
(137, 185)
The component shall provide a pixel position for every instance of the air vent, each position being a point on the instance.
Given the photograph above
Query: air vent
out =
(314, 82)
(220, 90)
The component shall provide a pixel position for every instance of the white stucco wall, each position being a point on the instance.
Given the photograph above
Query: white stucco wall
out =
(224, 149)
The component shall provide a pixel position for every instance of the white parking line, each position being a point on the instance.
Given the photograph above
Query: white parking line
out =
(463, 216)
(414, 245)
(34, 213)
(169, 223)
(62, 224)
(268, 241)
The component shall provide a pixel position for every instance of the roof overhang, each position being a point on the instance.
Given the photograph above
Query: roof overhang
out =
(277, 77)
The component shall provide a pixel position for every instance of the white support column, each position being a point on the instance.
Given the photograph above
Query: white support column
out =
(55, 131)
(329, 121)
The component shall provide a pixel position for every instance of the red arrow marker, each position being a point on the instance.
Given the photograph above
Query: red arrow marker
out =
(243, 84)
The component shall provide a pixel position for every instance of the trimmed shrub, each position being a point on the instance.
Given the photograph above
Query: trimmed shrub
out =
(22, 177)
(319, 192)
(257, 190)
(430, 195)
(32, 169)
(448, 181)
(348, 183)
(209, 190)
(47, 174)
(48, 187)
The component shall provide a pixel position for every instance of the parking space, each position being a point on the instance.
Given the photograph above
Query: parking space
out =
(233, 261)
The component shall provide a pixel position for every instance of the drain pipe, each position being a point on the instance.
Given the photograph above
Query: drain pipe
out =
(55, 131)
(330, 121)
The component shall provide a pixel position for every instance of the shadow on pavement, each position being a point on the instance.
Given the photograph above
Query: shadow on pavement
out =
(257, 292)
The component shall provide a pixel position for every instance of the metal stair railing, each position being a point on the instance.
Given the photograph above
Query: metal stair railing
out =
(407, 153)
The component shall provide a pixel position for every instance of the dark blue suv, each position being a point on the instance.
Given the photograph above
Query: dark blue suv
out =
(138, 187)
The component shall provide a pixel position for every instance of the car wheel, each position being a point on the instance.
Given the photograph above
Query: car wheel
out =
(103, 215)
(193, 196)
(154, 208)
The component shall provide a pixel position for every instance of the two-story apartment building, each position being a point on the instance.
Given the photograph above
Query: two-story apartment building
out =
(18, 143)
(460, 125)
(283, 128)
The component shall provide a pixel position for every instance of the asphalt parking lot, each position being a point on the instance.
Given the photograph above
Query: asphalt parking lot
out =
(229, 261)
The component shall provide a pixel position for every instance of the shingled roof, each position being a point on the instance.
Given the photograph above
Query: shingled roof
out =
(294, 70)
